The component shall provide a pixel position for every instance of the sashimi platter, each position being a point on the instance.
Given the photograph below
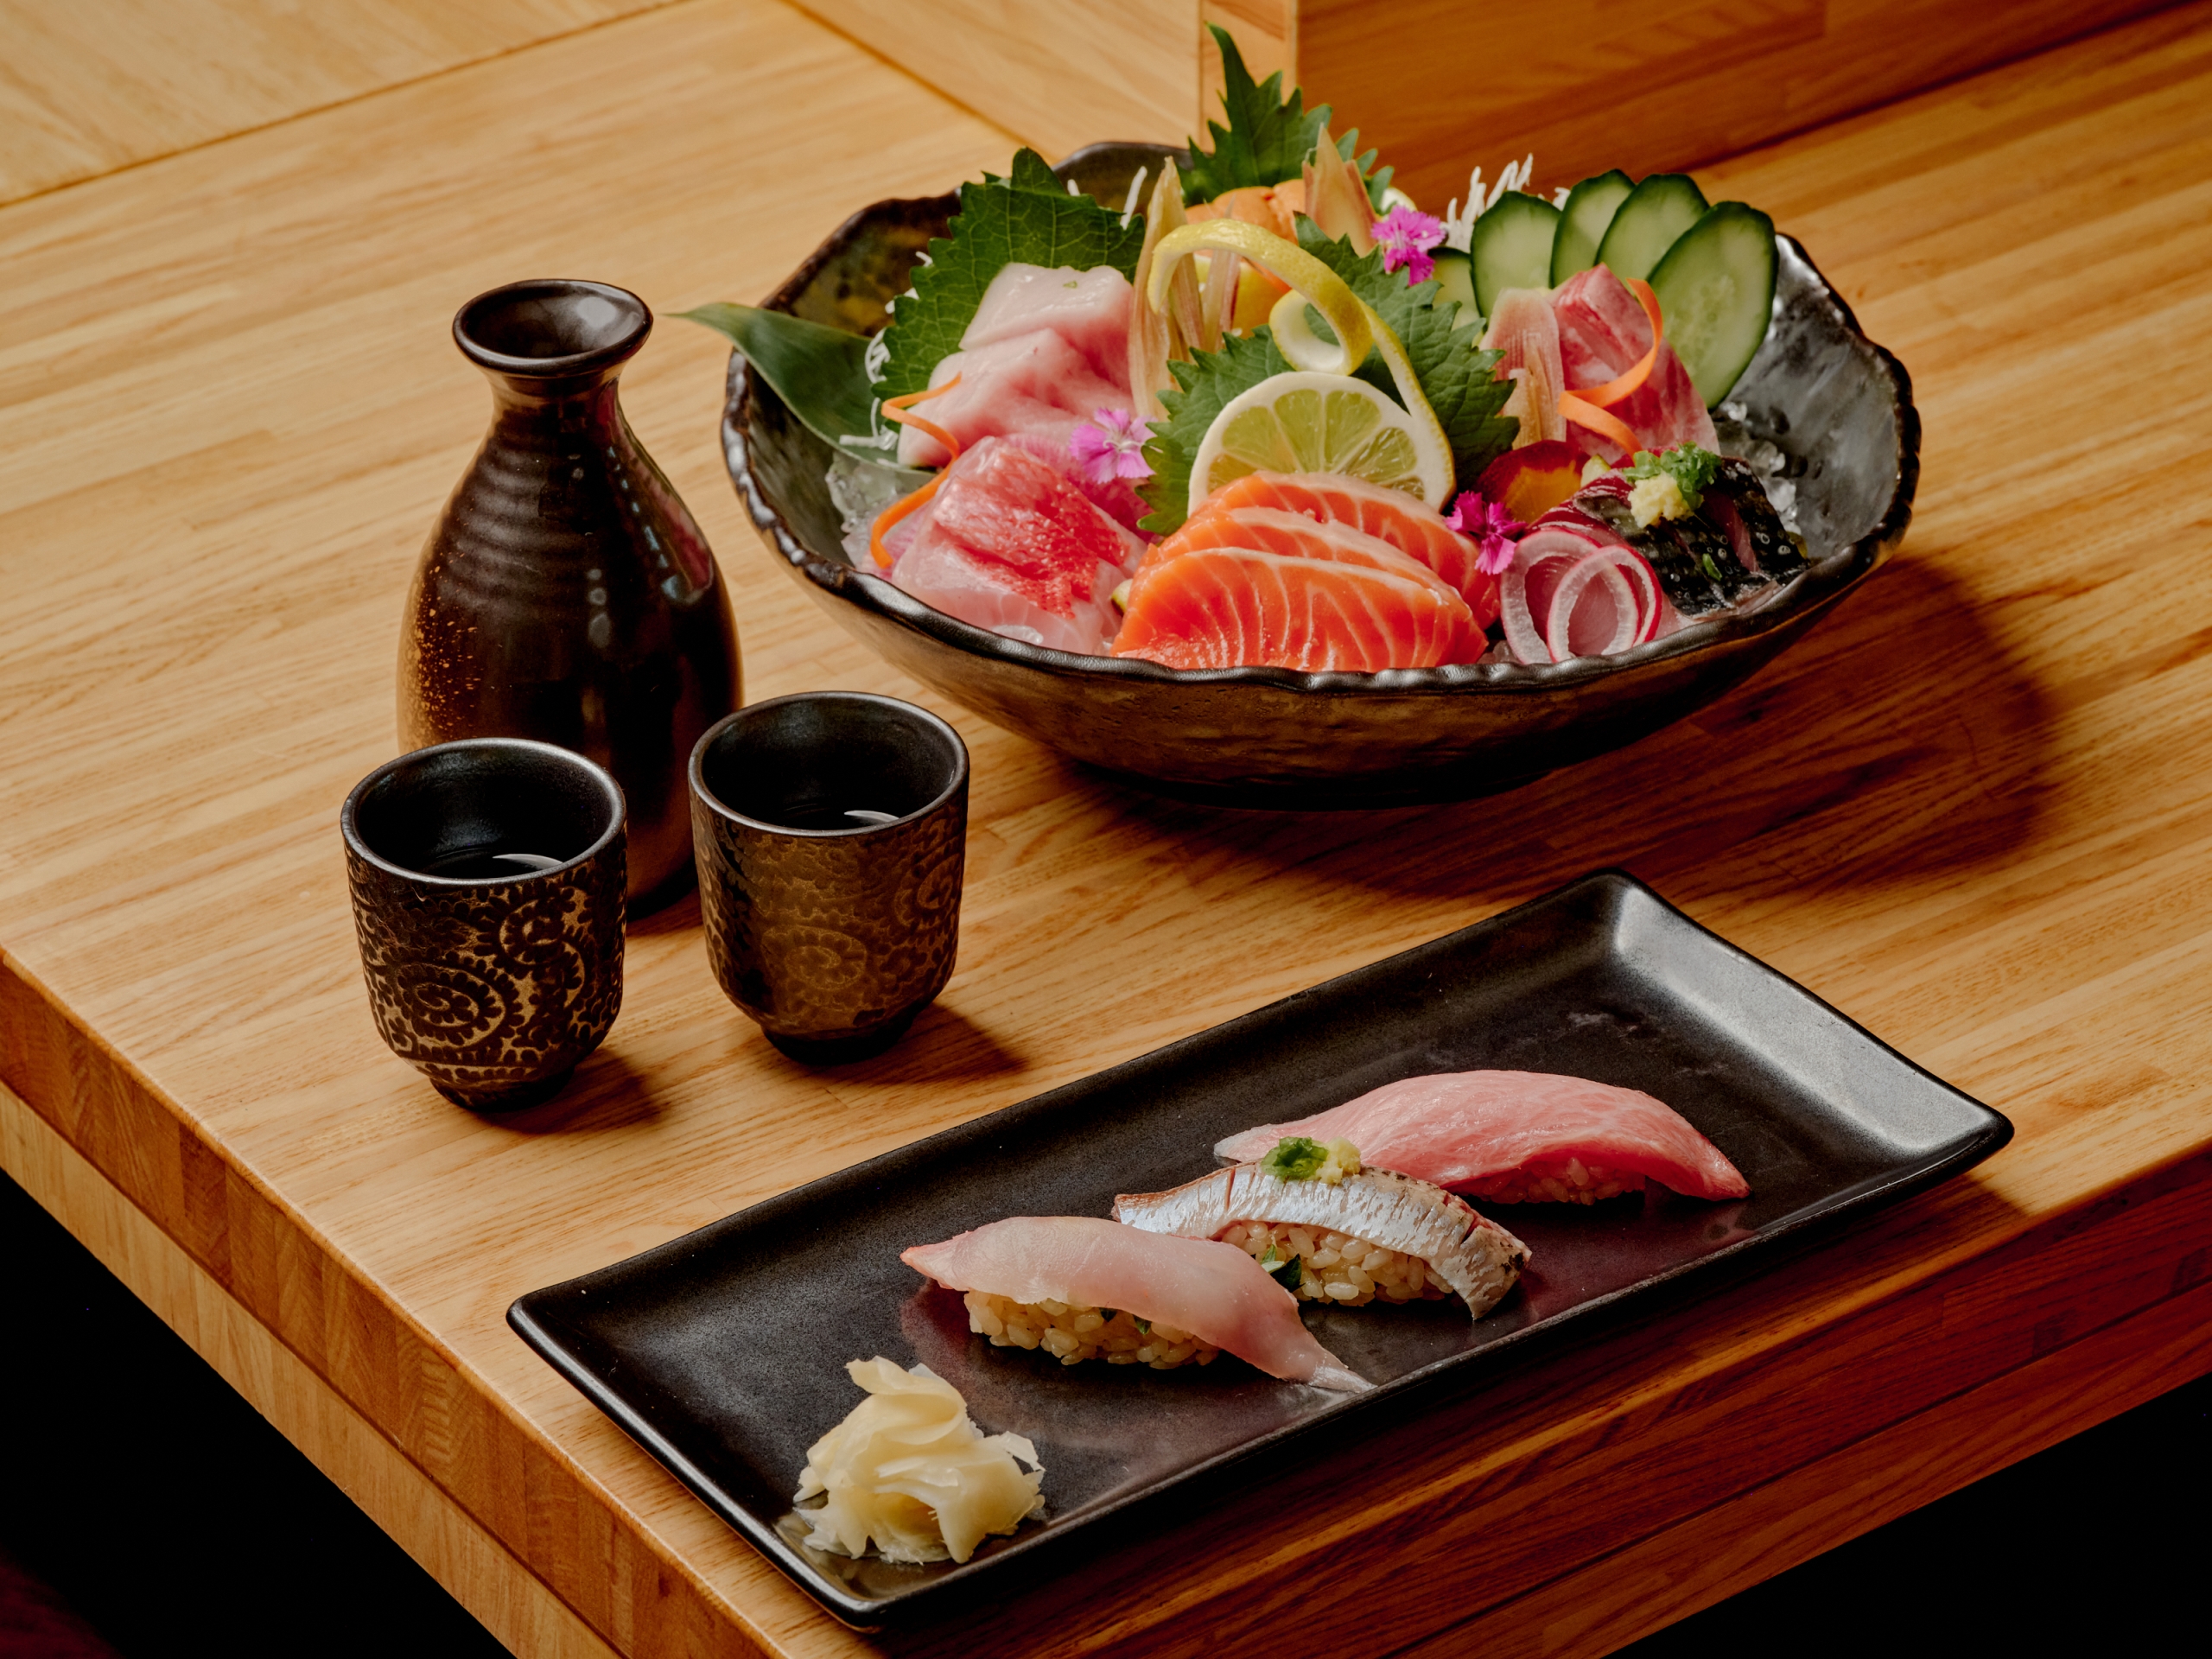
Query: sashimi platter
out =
(1231, 468)
(905, 1378)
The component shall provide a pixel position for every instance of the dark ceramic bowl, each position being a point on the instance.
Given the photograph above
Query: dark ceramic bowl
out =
(1837, 403)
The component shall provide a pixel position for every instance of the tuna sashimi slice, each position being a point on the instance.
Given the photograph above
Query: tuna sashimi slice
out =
(1411, 527)
(1212, 1290)
(935, 570)
(1021, 517)
(1011, 544)
(1603, 332)
(1509, 1135)
(1034, 384)
(1225, 608)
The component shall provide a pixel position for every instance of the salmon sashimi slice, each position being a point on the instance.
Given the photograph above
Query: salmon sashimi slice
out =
(1213, 1291)
(1269, 530)
(1229, 607)
(1431, 1241)
(1516, 1136)
(1409, 525)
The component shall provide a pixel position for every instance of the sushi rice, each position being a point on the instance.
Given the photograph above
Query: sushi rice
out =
(1337, 1267)
(1074, 1334)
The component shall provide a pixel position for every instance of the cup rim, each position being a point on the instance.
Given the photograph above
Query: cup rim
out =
(349, 814)
(722, 808)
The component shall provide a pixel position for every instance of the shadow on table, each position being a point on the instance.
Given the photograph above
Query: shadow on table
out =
(945, 1046)
(1899, 738)
(606, 1093)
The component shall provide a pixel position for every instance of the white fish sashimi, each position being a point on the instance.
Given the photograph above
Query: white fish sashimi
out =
(1470, 1253)
(1090, 309)
(1046, 351)
(1212, 1290)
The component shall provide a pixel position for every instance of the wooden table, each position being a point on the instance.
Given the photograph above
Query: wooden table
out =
(1973, 810)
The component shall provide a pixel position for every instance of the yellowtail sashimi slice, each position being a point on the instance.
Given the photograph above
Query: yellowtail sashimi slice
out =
(1412, 1223)
(1214, 1291)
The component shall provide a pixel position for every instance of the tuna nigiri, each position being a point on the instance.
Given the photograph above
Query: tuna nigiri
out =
(1515, 1137)
(1082, 1288)
(1369, 1235)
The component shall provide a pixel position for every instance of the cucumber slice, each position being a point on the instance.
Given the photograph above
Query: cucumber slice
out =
(1512, 246)
(1654, 214)
(1583, 221)
(1455, 280)
(1715, 290)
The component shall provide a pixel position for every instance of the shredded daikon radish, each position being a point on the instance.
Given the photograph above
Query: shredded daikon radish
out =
(907, 1472)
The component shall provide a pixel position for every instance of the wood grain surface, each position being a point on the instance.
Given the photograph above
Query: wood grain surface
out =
(1970, 809)
(87, 87)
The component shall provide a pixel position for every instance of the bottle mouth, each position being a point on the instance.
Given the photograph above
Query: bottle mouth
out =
(551, 329)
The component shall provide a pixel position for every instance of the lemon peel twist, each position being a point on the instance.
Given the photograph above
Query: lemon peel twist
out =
(1356, 327)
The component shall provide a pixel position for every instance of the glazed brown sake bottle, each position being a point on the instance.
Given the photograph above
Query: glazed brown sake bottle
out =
(566, 593)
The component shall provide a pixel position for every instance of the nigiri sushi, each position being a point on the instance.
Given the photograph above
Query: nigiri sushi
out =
(1516, 1137)
(1370, 1234)
(1082, 1288)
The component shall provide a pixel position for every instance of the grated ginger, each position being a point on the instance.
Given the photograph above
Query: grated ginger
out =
(907, 1472)
(1657, 497)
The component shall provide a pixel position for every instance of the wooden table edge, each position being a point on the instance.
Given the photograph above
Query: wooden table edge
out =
(107, 1113)
(189, 1203)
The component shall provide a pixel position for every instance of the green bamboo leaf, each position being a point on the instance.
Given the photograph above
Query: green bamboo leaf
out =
(820, 373)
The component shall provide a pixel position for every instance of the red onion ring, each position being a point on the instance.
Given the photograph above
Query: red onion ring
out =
(1557, 568)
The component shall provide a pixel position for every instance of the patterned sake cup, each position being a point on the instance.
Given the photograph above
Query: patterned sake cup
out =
(831, 830)
(488, 879)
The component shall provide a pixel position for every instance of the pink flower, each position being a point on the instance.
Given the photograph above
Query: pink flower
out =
(1489, 526)
(1110, 445)
(1405, 237)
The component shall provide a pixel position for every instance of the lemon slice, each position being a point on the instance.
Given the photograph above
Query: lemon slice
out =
(1308, 423)
(1406, 442)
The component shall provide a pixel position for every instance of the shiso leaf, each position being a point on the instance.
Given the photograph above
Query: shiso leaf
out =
(1289, 1274)
(1028, 217)
(1267, 138)
(1294, 1158)
(1202, 387)
(1457, 375)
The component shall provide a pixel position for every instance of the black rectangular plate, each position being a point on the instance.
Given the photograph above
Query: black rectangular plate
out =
(723, 1353)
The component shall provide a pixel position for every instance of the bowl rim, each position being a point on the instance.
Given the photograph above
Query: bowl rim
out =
(1812, 590)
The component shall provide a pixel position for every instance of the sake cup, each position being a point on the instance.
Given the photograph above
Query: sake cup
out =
(488, 878)
(831, 832)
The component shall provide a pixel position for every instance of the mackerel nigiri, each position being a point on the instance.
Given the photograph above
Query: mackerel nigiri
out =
(1365, 1236)
(1082, 1288)
(1516, 1137)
